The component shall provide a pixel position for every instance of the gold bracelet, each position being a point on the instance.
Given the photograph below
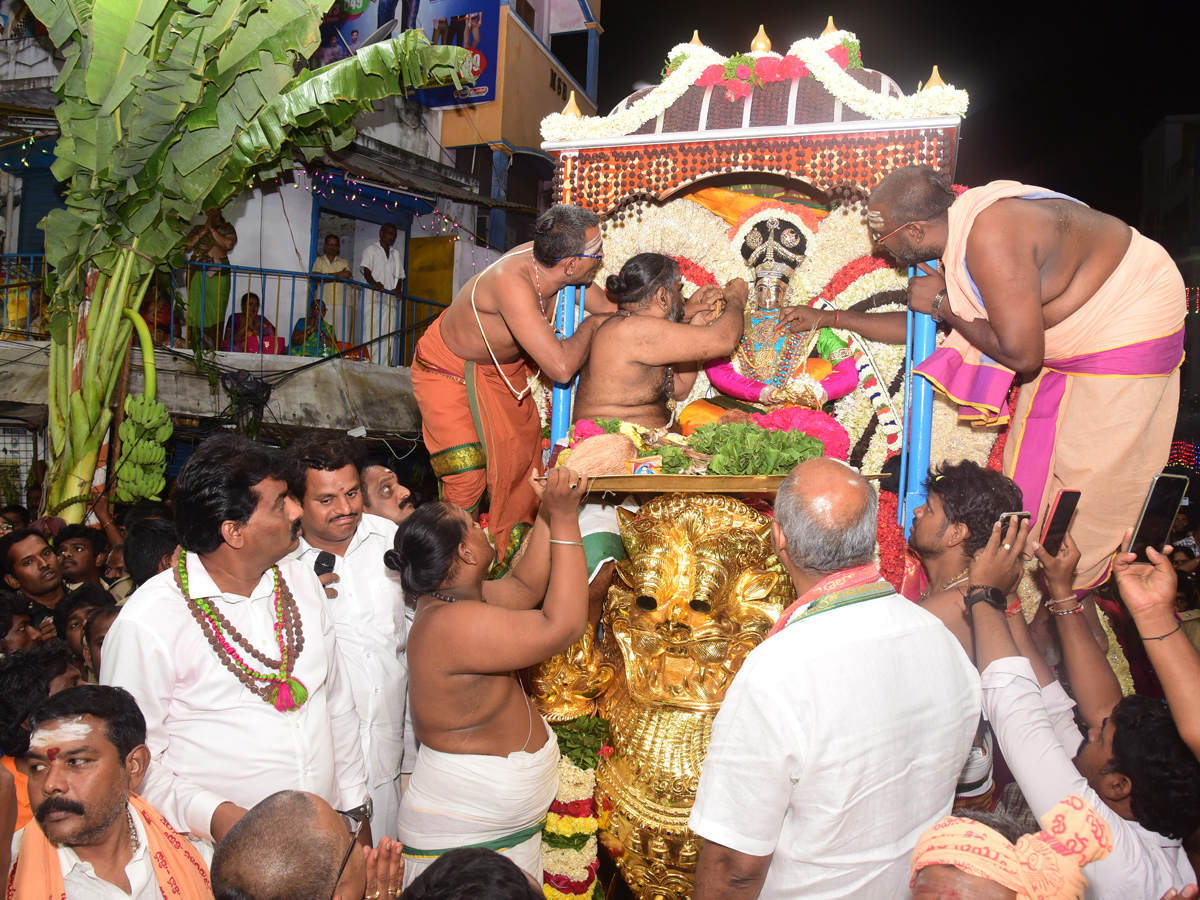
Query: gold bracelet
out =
(572, 543)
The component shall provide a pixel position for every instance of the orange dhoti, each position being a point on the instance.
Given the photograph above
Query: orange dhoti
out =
(481, 439)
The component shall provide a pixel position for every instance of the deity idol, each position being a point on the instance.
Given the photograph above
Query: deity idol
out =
(771, 368)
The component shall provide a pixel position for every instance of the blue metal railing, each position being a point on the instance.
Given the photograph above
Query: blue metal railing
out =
(299, 313)
(357, 320)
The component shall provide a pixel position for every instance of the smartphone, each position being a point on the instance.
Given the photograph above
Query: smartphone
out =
(1062, 510)
(324, 563)
(1007, 517)
(1158, 514)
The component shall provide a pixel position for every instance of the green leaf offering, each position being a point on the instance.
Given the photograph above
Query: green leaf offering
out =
(744, 448)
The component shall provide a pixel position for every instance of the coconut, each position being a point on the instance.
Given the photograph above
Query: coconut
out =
(603, 454)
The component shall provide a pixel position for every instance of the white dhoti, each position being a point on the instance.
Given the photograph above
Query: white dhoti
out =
(466, 800)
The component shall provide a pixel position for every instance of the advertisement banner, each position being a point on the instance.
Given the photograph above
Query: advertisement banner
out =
(347, 26)
(473, 24)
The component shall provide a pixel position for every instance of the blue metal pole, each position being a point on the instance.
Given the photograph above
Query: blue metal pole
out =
(570, 314)
(922, 340)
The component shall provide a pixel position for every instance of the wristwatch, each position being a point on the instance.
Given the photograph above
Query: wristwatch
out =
(936, 308)
(363, 811)
(985, 593)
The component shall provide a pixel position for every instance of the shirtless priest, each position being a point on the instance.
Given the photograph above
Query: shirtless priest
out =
(487, 769)
(645, 357)
(471, 371)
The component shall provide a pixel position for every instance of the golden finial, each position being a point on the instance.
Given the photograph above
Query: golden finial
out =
(761, 43)
(830, 28)
(572, 108)
(935, 80)
(696, 38)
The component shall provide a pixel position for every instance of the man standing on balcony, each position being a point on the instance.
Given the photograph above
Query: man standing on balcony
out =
(471, 370)
(383, 269)
(209, 282)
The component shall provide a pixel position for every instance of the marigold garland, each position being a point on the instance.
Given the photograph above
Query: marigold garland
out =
(569, 860)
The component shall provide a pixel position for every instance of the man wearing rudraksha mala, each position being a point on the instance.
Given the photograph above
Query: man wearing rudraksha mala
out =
(231, 656)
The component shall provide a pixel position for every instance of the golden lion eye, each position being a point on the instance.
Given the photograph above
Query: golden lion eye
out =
(646, 602)
(701, 606)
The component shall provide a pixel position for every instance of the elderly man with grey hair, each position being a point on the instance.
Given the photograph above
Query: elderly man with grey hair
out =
(842, 737)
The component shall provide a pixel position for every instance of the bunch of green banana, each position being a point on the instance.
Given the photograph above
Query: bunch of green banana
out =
(142, 467)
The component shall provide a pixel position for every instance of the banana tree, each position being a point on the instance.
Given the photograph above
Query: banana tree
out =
(166, 109)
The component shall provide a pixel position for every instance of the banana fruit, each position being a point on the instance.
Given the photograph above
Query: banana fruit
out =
(142, 467)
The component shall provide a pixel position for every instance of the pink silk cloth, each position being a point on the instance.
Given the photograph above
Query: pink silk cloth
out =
(1100, 414)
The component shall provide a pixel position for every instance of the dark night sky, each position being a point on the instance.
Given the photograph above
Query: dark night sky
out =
(1062, 95)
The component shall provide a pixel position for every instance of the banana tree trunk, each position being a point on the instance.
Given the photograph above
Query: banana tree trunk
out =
(84, 369)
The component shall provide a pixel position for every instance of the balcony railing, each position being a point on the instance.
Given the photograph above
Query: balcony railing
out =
(297, 313)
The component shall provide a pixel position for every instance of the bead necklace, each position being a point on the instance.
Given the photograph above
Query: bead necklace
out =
(280, 688)
(133, 835)
(537, 281)
(446, 598)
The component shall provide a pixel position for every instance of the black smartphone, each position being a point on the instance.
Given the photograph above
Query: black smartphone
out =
(324, 563)
(1158, 513)
(1061, 513)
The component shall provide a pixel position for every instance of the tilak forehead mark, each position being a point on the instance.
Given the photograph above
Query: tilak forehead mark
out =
(53, 735)
(52, 753)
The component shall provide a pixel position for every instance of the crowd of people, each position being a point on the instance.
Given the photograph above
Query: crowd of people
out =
(290, 682)
(245, 723)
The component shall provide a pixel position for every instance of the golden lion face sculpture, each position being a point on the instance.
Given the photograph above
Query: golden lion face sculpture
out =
(700, 589)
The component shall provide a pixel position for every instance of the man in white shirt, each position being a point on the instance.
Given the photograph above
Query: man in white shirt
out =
(364, 601)
(383, 269)
(91, 838)
(1133, 768)
(841, 738)
(231, 655)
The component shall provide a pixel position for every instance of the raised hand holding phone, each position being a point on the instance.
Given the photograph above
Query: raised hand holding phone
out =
(1158, 513)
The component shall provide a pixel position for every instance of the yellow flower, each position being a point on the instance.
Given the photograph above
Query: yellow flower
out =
(555, 894)
(568, 826)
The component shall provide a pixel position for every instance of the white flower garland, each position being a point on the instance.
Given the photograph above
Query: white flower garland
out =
(942, 100)
(571, 863)
(842, 238)
(560, 127)
(682, 229)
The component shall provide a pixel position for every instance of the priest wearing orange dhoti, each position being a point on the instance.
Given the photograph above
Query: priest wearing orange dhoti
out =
(1086, 309)
(92, 835)
(472, 368)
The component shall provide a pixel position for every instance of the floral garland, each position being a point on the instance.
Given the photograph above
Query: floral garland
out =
(825, 58)
(940, 100)
(569, 858)
(563, 127)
